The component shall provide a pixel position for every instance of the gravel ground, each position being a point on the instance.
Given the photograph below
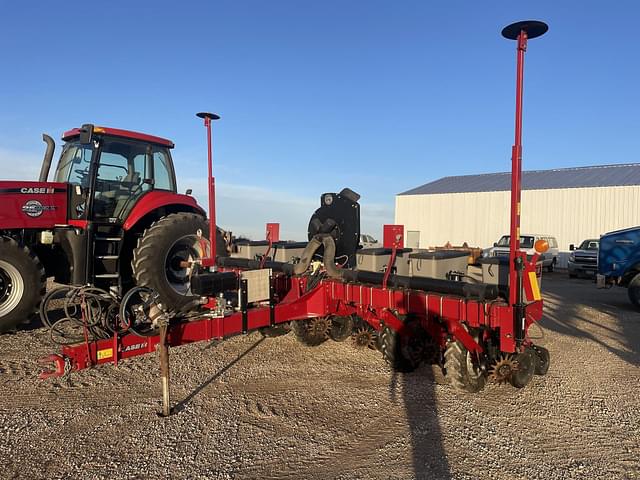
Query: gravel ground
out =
(272, 408)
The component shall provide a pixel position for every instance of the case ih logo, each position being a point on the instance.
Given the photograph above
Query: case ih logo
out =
(34, 208)
(135, 346)
(37, 190)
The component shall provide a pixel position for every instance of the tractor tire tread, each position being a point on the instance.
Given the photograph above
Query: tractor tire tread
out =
(145, 262)
(36, 284)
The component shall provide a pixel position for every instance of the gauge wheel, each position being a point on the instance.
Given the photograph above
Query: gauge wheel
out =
(526, 367)
(403, 351)
(462, 368)
(543, 360)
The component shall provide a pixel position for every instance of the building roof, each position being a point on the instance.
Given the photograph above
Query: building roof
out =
(596, 176)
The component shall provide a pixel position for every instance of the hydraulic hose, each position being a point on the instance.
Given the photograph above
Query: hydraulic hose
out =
(480, 291)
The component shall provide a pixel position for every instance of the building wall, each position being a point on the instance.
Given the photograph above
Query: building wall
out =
(480, 218)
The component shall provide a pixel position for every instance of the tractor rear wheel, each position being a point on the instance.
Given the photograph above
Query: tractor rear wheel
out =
(462, 369)
(162, 248)
(22, 284)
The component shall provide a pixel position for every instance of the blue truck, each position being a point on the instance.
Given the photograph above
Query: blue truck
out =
(619, 261)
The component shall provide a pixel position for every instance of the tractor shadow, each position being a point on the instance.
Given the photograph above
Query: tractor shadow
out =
(606, 317)
(416, 392)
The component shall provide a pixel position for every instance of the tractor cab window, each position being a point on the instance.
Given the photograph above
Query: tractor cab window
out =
(74, 163)
(120, 180)
(162, 172)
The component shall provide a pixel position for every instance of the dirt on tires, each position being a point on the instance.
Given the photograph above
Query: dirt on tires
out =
(253, 407)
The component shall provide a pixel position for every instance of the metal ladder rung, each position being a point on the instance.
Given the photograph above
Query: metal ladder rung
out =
(107, 275)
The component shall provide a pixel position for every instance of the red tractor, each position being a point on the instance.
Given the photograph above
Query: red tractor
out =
(111, 218)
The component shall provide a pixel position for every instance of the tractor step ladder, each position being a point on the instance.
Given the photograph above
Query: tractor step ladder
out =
(106, 253)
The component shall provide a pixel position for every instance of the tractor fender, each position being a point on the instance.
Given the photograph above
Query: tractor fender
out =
(161, 199)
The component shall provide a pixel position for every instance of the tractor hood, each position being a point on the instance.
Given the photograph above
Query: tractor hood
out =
(36, 205)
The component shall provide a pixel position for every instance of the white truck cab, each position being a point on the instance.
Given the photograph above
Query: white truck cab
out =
(527, 242)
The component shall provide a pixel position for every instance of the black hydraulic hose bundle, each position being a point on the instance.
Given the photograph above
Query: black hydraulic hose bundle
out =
(481, 291)
(85, 313)
(247, 264)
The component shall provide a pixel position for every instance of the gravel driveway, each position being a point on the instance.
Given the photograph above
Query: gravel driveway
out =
(253, 408)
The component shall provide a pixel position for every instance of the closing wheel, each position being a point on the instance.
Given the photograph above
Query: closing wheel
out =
(403, 351)
(365, 336)
(462, 368)
(164, 249)
(312, 332)
(543, 360)
(526, 361)
(22, 284)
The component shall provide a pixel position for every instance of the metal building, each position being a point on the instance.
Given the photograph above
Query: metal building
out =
(571, 204)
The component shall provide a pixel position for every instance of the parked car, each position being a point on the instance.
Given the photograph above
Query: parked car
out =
(527, 242)
(584, 259)
(367, 241)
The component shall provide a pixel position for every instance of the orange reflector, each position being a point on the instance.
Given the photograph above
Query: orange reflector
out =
(541, 246)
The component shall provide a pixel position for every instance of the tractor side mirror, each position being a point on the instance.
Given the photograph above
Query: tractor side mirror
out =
(495, 244)
(188, 192)
(86, 133)
(572, 247)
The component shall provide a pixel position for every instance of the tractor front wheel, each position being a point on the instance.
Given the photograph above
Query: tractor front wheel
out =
(22, 284)
(165, 248)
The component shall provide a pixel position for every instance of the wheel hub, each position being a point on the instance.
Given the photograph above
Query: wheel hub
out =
(11, 287)
(185, 249)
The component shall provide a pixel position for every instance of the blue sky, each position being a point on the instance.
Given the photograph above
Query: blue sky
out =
(315, 96)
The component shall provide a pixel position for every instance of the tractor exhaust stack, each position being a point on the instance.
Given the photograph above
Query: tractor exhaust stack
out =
(48, 157)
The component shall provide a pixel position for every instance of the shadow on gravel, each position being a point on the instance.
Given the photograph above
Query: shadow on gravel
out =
(183, 403)
(606, 318)
(416, 390)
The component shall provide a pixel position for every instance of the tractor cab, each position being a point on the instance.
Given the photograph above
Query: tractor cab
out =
(104, 218)
(109, 170)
